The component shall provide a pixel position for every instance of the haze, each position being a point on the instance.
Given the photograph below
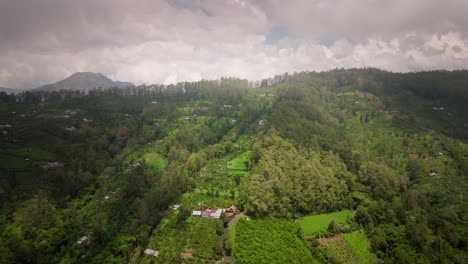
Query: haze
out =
(166, 41)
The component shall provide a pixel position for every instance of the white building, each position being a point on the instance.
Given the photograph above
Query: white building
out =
(197, 213)
(151, 252)
(81, 240)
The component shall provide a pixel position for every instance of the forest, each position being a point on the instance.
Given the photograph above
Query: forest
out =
(343, 166)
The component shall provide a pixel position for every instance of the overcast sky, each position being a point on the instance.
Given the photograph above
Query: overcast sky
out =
(166, 41)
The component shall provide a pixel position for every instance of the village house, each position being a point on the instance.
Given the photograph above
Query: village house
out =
(233, 121)
(197, 213)
(106, 197)
(51, 165)
(262, 122)
(71, 129)
(151, 252)
(175, 206)
(248, 137)
(135, 165)
(432, 174)
(209, 213)
(81, 240)
(70, 112)
(230, 211)
(161, 141)
(227, 106)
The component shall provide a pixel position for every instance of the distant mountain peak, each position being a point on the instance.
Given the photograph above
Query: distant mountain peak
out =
(84, 81)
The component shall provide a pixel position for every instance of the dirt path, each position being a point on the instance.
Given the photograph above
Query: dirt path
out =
(235, 219)
(225, 257)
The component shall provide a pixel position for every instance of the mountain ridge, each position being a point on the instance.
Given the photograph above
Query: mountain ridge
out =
(83, 81)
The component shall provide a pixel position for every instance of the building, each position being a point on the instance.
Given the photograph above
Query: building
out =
(262, 122)
(72, 129)
(197, 213)
(175, 206)
(432, 174)
(209, 213)
(82, 240)
(231, 209)
(51, 165)
(151, 252)
(216, 214)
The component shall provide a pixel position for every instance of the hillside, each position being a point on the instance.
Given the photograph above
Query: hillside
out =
(345, 166)
(10, 90)
(83, 81)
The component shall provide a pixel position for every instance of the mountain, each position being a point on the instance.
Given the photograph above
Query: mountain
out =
(83, 81)
(10, 90)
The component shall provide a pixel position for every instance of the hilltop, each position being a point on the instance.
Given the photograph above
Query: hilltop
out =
(83, 81)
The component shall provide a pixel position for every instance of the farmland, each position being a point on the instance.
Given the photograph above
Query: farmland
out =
(269, 241)
(319, 223)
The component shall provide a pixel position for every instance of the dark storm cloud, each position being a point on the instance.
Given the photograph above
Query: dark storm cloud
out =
(149, 41)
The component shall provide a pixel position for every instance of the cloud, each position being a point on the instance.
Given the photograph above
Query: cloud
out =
(165, 41)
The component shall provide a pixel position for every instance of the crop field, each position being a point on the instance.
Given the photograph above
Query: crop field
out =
(316, 223)
(269, 241)
(348, 248)
(358, 242)
(154, 162)
(241, 162)
(338, 250)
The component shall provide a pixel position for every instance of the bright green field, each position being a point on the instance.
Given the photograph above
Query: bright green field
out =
(154, 161)
(360, 245)
(240, 162)
(316, 223)
(269, 241)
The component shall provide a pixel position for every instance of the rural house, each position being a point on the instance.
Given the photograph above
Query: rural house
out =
(151, 252)
(81, 240)
(262, 122)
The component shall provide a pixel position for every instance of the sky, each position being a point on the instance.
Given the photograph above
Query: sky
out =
(167, 41)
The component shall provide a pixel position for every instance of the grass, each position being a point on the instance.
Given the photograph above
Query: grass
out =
(316, 223)
(350, 248)
(338, 250)
(360, 245)
(269, 241)
(154, 162)
(240, 162)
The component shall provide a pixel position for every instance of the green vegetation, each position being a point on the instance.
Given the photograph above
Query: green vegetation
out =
(360, 245)
(319, 223)
(269, 241)
(353, 166)
(338, 250)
